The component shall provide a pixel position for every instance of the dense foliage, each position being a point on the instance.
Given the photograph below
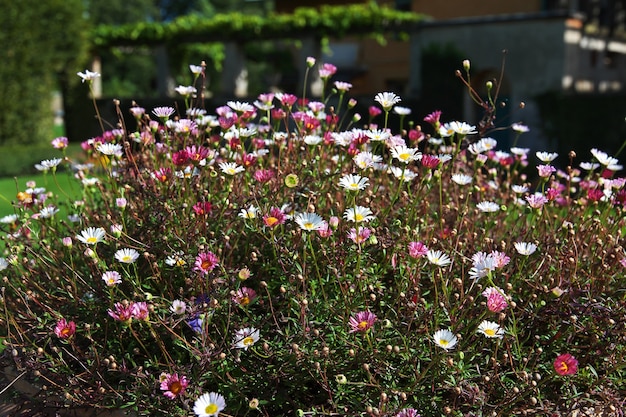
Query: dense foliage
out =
(326, 21)
(274, 258)
(41, 41)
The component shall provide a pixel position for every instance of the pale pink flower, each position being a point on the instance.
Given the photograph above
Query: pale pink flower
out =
(417, 249)
(362, 321)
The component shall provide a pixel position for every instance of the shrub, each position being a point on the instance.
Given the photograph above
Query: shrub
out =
(274, 258)
(34, 54)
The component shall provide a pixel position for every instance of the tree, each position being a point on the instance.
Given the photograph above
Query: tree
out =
(42, 41)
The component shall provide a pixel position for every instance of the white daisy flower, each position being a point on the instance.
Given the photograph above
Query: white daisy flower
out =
(525, 248)
(47, 164)
(519, 189)
(405, 175)
(358, 214)
(353, 182)
(445, 339)
(309, 221)
(312, 140)
(589, 166)
(88, 75)
(248, 213)
(387, 100)
(546, 157)
(186, 90)
(437, 257)
(114, 149)
(402, 111)
(240, 107)
(603, 158)
(3, 264)
(462, 179)
(92, 235)
(520, 151)
(10, 219)
(520, 128)
(488, 206)
(404, 154)
(491, 329)
(178, 307)
(209, 405)
(246, 337)
(366, 159)
(127, 255)
(231, 168)
(378, 135)
(48, 212)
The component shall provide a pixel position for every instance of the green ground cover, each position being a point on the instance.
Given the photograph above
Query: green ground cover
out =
(10, 186)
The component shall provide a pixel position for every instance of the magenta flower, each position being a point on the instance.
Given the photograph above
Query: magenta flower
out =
(65, 329)
(417, 249)
(122, 312)
(362, 321)
(244, 296)
(202, 208)
(565, 364)
(433, 118)
(374, 111)
(274, 218)
(205, 262)
(173, 385)
(496, 300)
(430, 161)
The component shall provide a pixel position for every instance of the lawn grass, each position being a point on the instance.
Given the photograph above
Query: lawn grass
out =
(10, 186)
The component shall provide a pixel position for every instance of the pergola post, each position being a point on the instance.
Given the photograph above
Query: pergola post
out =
(234, 77)
(310, 48)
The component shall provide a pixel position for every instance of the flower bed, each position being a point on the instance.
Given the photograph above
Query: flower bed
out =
(284, 257)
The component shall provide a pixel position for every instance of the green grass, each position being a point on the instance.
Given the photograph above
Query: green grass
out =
(10, 186)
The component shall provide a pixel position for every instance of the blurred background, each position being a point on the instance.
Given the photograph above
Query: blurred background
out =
(565, 60)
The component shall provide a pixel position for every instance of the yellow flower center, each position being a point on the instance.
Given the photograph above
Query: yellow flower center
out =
(354, 185)
(358, 217)
(404, 156)
(245, 300)
(248, 341)
(362, 324)
(176, 387)
(308, 225)
(205, 265)
(66, 331)
(490, 332)
(271, 221)
(443, 342)
(211, 409)
(92, 239)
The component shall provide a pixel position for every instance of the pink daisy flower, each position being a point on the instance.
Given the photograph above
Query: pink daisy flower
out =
(244, 296)
(173, 385)
(362, 321)
(417, 249)
(205, 262)
(65, 329)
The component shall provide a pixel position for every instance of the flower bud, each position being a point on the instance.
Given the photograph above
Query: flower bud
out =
(466, 64)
